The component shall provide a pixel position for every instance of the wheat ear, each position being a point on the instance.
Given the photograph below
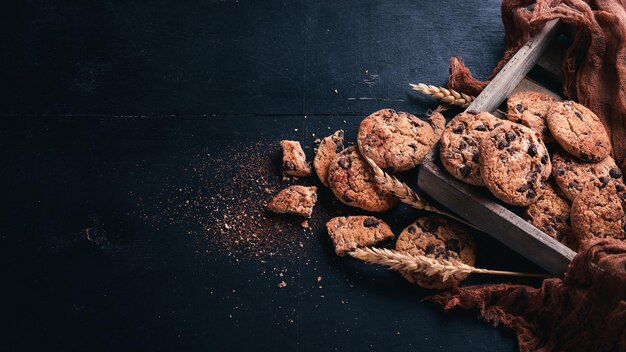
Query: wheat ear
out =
(424, 265)
(403, 192)
(449, 96)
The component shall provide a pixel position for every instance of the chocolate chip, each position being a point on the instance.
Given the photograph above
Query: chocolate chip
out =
(347, 198)
(615, 172)
(411, 229)
(476, 157)
(344, 163)
(503, 144)
(453, 245)
(523, 188)
(472, 112)
(498, 124)
(519, 108)
(459, 128)
(584, 157)
(604, 180)
(289, 166)
(430, 225)
(578, 115)
(538, 168)
(510, 136)
(544, 159)
(481, 128)
(429, 248)
(531, 194)
(371, 138)
(532, 149)
(619, 188)
(573, 184)
(415, 124)
(412, 145)
(560, 171)
(462, 145)
(370, 222)
(338, 146)
(465, 171)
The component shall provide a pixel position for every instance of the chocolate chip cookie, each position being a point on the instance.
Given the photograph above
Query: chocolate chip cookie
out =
(459, 145)
(599, 210)
(514, 164)
(571, 175)
(326, 152)
(530, 109)
(438, 123)
(296, 200)
(579, 131)
(351, 180)
(352, 232)
(551, 214)
(436, 237)
(395, 140)
(294, 160)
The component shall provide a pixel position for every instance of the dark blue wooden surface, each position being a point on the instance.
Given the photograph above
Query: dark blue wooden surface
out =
(105, 104)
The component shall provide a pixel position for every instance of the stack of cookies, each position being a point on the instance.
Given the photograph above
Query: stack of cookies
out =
(551, 158)
(395, 141)
(569, 188)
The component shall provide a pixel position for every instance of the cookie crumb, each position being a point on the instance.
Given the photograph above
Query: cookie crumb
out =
(282, 284)
(318, 279)
(305, 224)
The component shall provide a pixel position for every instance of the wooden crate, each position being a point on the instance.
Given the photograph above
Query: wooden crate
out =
(476, 204)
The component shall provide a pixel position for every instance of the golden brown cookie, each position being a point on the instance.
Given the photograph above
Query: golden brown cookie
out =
(436, 237)
(351, 180)
(514, 164)
(395, 140)
(294, 160)
(326, 152)
(551, 214)
(352, 232)
(599, 210)
(579, 131)
(459, 145)
(530, 109)
(296, 200)
(571, 174)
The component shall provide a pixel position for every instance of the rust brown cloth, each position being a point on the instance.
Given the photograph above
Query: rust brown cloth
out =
(594, 69)
(585, 311)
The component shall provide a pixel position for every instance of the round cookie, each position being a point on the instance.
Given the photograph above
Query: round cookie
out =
(395, 140)
(351, 180)
(514, 164)
(327, 151)
(436, 237)
(530, 109)
(459, 145)
(551, 214)
(571, 175)
(599, 210)
(579, 131)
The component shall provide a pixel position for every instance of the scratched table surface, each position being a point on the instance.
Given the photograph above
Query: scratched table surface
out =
(111, 108)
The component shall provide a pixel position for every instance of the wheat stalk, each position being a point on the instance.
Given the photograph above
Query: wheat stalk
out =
(449, 96)
(424, 265)
(403, 192)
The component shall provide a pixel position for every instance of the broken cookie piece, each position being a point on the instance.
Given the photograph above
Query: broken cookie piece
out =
(352, 232)
(327, 151)
(295, 200)
(294, 160)
(438, 122)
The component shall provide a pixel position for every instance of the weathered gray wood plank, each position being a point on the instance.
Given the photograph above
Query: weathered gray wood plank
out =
(515, 70)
